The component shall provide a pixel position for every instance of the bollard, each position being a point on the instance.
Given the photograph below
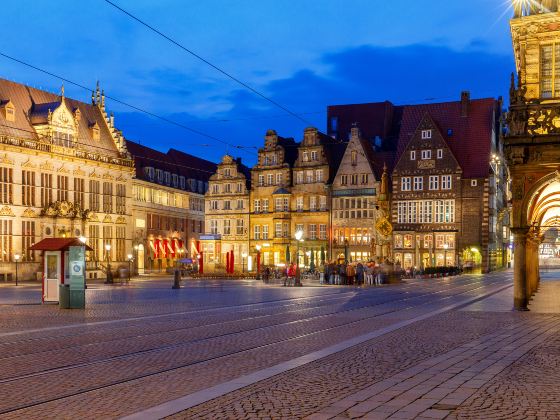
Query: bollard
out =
(176, 280)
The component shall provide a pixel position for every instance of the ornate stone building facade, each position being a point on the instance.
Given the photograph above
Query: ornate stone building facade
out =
(167, 206)
(227, 216)
(64, 171)
(449, 186)
(356, 210)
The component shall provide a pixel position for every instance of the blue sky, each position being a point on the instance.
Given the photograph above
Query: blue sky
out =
(304, 54)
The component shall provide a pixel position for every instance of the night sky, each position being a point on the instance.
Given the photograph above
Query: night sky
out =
(304, 54)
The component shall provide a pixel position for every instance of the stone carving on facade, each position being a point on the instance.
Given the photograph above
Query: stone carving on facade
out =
(65, 209)
(107, 219)
(63, 170)
(94, 175)
(30, 213)
(47, 166)
(108, 176)
(92, 217)
(518, 189)
(516, 156)
(6, 211)
(5, 160)
(121, 220)
(28, 164)
(79, 172)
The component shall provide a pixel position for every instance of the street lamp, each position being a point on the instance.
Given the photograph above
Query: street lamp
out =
(243, 256)
(445, 247)
(109, 273)
(17, 257)
(299, 238)
(129, 257)
(258, 248)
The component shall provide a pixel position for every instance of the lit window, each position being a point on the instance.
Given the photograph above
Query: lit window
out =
(440, 153)
(426, 134)
(406, 183)
(413, 155)
(418, 183)
(426, 154)
(354, 158)
(474, 182)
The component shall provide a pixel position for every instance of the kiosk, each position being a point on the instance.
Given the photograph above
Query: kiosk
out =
(63, 264)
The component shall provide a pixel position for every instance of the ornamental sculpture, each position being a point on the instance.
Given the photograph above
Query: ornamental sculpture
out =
(65, 209)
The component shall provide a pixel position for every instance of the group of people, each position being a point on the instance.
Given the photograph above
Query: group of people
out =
(369, 274)
(335, 273)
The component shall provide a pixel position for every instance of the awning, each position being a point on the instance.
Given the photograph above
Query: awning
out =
(156, 248)
(163, 246)
(58, 244)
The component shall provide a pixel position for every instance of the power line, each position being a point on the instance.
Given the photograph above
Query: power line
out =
(167, 120)
(204, 60)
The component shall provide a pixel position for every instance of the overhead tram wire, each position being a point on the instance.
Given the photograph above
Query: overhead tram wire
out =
(204, 60)
(165, 119)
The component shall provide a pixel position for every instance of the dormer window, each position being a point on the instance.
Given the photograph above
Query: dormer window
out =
(354, 157)
(182, 182)
(175, 180)
(149, 173)
(167, 178)
(305, 157)
(314, 155)
(9, 111)
(426, 134)
(95, 133)
(227, 172)
(159, 175)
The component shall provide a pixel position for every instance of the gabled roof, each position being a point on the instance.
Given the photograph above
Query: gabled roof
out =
(32, 105)
(470, 137)
(291, 149)
(198, 168)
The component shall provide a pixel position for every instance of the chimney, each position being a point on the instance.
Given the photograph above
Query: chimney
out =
(465, 103)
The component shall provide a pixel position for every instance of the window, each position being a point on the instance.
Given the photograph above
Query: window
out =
(107, 197)
(94, 191)
(286, 204)
(6, 240)
(354, 157)
(313, 203)
(265, 205)
(240, 227)
(257, 206)
(227, 188)
(175, 180)
(426, 134)
(439, 211)
(313, 232)
(406, 184)
(299, 228)
(305, 156)
(418, 183)
(182, 182)
(121, 199)
(344, 180)
(62, 188)
(79, 191)
(239, 187)
(323, 203)
(28, 188)
(214, 227)
(434, 182)
(474, 182)
(449, 211)
(227, 172)
(239, 204)
(278, 179)
(407, 241)
(214, 205)
(278, 204)
(550, 71)
(227, 227)
(413, 155)
(398, 241)
(365, 179)
(261, 180)
(270, 179)
(319, 175)
(286, 229)
(227, 205)
(323, 232)
(428, 241)
(299, 203)
(278, 230)
(314, 155)
(354, 179)
(265, 232)
(107, 239)
(159, 175)
(63, 139)
(120, 243)
(446, 182)
(426, 154)
(440, 153)
(309, 177)
(215, 189)
(28, 239)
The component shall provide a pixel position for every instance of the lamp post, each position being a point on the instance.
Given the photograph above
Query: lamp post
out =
(129, 257)
(108, 256)
(83, 240)
(445, 247)
(258, 248)
(17, 257)
(243, 256)
(299, 238)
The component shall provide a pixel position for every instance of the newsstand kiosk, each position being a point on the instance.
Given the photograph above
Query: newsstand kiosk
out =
(63, 271)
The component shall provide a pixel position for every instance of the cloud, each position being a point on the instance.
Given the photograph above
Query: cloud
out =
(407, 74)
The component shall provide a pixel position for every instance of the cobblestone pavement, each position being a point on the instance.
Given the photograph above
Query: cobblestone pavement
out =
(137, 347)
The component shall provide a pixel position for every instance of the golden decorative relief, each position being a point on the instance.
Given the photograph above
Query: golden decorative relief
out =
(6, 211)
(5, 160)
(94, 175)
(384, 227)
(121, 220)
(29, 213)
(426, 164)
(79, 172)
(107, 219)
(93, 217)
(108, 176)
(28, 164)
(63, 170)
(47, 166)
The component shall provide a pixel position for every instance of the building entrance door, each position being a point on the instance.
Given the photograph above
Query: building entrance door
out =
(140, 259)
(52, 272)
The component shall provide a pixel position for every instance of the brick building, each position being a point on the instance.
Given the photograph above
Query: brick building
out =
(449, 186)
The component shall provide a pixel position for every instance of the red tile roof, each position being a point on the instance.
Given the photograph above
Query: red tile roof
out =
(57, 244)
(470, 138)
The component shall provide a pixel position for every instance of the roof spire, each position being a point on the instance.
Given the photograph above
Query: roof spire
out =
(62, 92)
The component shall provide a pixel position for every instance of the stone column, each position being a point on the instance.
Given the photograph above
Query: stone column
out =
(520, 269)
(530, 266)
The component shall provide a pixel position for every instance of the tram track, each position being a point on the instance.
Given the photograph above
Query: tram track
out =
(225, 355)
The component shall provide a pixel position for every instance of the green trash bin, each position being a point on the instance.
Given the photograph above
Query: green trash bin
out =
(64, 296)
